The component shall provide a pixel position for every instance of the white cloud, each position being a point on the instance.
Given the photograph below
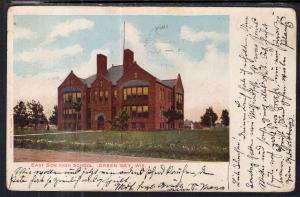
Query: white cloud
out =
(64, 29)
(132, 36)
(201, 91)
(48, 56)
(206, 82)
(186, 33)
(24, 33)
(27, 88)
(133, 41)
(89, 67)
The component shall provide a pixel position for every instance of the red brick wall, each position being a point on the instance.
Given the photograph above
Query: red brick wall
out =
(134, 72)
(71, 80)
(103, 106)
(179, 88)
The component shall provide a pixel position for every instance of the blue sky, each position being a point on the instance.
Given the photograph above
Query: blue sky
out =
(46, 48)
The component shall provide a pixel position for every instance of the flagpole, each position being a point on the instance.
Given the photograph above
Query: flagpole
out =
(124, 37)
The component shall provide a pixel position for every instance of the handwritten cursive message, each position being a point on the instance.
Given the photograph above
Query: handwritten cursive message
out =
(263, 140)
(117, 177)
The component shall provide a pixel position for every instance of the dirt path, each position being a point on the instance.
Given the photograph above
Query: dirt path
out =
(32, 155)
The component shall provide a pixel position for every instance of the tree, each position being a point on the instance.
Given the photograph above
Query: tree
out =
(77, 106)
(172, 115)
(225, 117)
(209, 118)
(53, 117)
(20, 115)
(120, 122)
(36, 113)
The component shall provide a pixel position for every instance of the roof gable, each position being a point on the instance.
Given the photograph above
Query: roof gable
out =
(178, 84)
(71, 77)
(169, 82)
(113, 74)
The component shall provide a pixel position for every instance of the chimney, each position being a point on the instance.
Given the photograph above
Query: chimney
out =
(128, 58)
(101, 64)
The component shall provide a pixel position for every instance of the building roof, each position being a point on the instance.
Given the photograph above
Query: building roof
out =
(88, 81)
(169, 82)
(133, 83)
(113, 74)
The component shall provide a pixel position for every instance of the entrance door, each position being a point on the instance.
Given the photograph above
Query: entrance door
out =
(100, 121)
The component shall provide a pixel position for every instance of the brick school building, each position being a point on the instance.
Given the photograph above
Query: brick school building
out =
(90, 103)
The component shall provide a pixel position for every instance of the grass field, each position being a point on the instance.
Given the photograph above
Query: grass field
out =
(208, 145)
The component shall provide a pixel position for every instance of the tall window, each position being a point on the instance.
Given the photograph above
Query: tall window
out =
(133, 111)
(68, 107)
(140, 109)
(133, 108)
(161, 110)
(128, 91)
(115, 94)
(139, 91)
(74, 97)
(95, 95)
(161, 93)
(145, 111)
(137, 111)
(125, 94)
(101, 95)
(65, 97)
(128, 109)
(106, 95)
(71, 97)
(78, 95)
(145, 108)
(133, 92)
(179, 98)
(145, 91)
(179, 101)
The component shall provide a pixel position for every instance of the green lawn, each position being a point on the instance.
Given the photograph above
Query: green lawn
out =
(33, 131)
(208, 145)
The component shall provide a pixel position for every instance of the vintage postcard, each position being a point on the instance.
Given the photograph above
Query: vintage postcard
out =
(151, 99)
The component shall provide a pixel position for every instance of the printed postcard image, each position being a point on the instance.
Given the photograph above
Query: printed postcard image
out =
(151, 99)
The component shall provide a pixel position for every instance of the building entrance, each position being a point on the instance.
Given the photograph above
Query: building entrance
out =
(100, 121)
